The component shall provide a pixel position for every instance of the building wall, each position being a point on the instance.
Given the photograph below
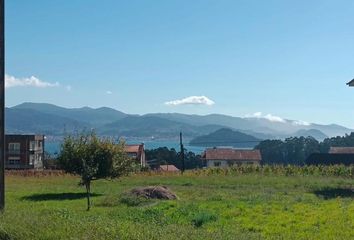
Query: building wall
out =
(24, 151)
(143, 159)
(228, 163)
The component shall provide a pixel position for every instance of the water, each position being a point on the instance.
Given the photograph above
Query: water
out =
(53, 147)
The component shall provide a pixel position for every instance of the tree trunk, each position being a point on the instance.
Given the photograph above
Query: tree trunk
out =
(88, 191)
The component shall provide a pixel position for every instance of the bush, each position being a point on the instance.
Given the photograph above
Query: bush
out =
(202, 218)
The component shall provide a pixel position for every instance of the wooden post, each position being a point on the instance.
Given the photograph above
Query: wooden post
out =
(182, 151)
(2, 106)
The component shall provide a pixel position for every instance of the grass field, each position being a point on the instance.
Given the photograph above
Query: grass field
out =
(250, 206)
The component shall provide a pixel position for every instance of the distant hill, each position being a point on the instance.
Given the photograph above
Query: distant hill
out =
(150, 126)
(225, 137)
(260, 126)
(95, 117)
(317, 134)
(53, 120)
(28, 121)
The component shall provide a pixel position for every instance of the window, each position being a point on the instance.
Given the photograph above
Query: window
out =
(39, 144)
(132, 155)
(32, 145)
(14, 160)
(14, 148)
(31, 159)
(230, 163)
(217, 164)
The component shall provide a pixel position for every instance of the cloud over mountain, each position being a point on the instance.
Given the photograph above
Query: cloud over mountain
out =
(268, 116)
(11, 81)
(192, 100)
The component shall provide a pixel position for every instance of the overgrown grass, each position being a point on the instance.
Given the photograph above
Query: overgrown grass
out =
(210, 206)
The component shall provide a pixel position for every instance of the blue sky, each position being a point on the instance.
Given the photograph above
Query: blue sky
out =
(289, 59)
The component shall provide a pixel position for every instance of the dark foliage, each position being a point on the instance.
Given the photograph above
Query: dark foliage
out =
(330, 159)
(330, 193)
(301, 150)
(340, 141)
(164, 155)
(292, 151)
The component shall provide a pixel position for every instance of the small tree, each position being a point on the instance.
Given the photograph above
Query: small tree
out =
(93, 158)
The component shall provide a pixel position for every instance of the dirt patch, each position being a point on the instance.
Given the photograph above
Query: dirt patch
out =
(154, 192)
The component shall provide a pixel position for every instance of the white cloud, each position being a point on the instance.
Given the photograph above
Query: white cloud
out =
(256, 115)
(109, 92)
(268, 116)
(68, 88)
(301, 123)
(11, 81)
(273, 118)
(192, 100)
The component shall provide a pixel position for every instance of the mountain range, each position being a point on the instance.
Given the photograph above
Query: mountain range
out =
(44, 118)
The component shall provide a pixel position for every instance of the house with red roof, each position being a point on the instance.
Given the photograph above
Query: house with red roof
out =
(136, 152)
(228, 157)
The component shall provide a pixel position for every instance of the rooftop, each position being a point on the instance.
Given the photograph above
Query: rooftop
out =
(169, 168)
(134, 148)
(232, 154)
(341, 150)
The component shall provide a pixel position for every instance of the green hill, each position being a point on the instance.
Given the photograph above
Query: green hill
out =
(226, 137)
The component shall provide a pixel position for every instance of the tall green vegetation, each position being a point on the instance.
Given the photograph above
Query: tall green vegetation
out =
(293, 150)
(164, 155)
(296, 150)
(93, 158)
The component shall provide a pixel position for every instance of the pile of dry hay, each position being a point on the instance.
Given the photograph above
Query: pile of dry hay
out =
(154, 192)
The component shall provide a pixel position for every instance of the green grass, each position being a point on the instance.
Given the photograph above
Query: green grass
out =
(250, 206)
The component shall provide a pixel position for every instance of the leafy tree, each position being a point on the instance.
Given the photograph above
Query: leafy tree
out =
(164, 155)
(339, 141)
(93, 158)
(272, 151)
(294, 150)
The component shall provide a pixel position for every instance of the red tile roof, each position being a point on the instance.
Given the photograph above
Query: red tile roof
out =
(232, 154)
(168, 168)
(341, 150)
(134, 148)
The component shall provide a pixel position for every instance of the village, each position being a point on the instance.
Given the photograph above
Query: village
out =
(28, 152)
(176, 120)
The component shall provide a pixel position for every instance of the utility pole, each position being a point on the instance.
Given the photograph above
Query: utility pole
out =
(182, 151)
(2, 106)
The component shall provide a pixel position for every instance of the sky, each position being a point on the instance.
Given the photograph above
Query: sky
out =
(276, 59)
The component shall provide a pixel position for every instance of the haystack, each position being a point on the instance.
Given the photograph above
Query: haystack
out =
(154, 192)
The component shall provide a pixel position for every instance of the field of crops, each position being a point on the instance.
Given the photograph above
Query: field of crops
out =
(239, 203)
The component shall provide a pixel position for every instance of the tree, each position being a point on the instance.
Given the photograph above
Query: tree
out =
(93, 158)
(293, 150)
(272, 151)
(164, 155)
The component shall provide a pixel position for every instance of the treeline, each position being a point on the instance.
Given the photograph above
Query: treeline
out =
(164, 155)
(296, 150)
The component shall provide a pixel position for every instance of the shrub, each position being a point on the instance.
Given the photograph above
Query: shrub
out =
(202, 218)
